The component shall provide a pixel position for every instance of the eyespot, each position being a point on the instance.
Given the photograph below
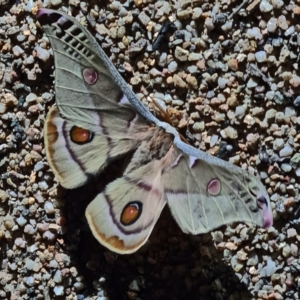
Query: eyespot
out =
(131, 213)
(214, 187)
(90, 76)
(80, 136)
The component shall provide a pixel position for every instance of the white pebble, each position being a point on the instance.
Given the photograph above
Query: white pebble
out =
(177, 102)
(58, 290)
(272, 25)
(261, 56)
(42, 54)
(289, 112)
(20, 242)
(286, 151)
(269, 269)
(172, 67)
(270, 95)
(222, 82)
(57, 277)
(286, 251)
(286, 167)
(213, 140)
(282, 22)
(49, 208)
(50, 236)
(17, 51)
(229, 132)
(254, 33)
(265, 6)
(29, 264)
(21, 221)
(194, 56)
(289, 31)
(277, 3)
(29, 280)
(209, 24)
(43, 185)
(240, 111)
(297, 172)
(278, 144)
(252, 83)
(31, 97)
(227, 26)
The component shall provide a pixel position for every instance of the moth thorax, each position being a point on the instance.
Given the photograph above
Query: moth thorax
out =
(153, 149)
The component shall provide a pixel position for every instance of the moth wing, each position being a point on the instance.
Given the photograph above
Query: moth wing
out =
(86, 91)
(87, 97)
(204, 196)
(75, 154)
(123, 216)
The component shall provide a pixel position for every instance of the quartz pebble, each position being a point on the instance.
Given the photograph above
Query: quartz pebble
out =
(229, 132)
(286, 151)
(58, 290)
(278, 144)
(49, 208)
(261, 56)
(265, 6)
(272, 24)
(42, 54)
(286, 167)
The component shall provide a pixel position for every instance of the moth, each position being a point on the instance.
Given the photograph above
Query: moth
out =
(99, 119)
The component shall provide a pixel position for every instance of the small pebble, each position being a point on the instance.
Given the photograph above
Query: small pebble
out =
(254, 33)
(172, 67)
(21, 221)
(49, 236)
(29, 229)
(261, 56)
(286, 167)
(278, 144)
(272, 24)
(265, 6)
(286, 251)
(57, 277)
(286, 151)
(58, 290)
(181, 54)
(49, 208)
(29, 281)
(20, 242)
(297, 171)
(42, 54)
(229, 132)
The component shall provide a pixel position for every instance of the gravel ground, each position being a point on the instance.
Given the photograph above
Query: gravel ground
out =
(228, 73)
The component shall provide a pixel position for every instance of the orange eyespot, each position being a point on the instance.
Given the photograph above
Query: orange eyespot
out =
(80, 136)
(131, 213)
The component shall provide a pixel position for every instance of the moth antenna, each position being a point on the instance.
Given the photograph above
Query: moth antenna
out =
(164, 115)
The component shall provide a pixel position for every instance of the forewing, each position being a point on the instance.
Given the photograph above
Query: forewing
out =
(86, 93)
